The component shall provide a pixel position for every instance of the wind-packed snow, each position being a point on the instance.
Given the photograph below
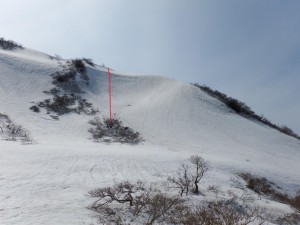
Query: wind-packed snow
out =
(48, 182)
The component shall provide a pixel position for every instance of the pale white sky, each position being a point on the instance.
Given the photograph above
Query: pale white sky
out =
(248, 49)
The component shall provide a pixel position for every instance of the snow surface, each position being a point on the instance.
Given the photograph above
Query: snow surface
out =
(48, 182)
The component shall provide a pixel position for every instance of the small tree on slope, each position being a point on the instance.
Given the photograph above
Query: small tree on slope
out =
(201, 167)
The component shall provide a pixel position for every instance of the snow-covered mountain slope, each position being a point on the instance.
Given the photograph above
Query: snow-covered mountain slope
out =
(47, 182)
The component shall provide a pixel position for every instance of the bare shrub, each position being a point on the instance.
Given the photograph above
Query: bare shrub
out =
(164, 209)
(262, 186)
(200, 167)
(15, 131)
(27, 139)
(97, 131)
(187, 176)
(122, 193)
(1, 127)
(144, 205)
(225, 213)
(4, 121)
(133, 203)
(12, 131)
(236, 183)
(215, 189)
(182, 180)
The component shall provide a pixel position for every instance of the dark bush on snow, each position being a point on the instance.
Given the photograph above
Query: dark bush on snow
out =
(64, 104)
(60, 77)
(113, 131)
(242, 109)
(60, 104)
(89, 61)
(238, 106)
(79, 65)
(68, 79)
(258, 184)
(289, 131)
(35, 108)
(9, 45)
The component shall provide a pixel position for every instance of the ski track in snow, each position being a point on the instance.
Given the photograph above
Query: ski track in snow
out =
(48, 182)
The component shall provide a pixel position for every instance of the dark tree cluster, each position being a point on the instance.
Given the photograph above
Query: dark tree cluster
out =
(65, 77)
(64, 104)
(65, 95)
(9, 45)
(79, 65)
(238, 106)
(72, 76)
(244, 110)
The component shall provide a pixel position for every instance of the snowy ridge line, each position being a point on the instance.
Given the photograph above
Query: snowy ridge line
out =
(242, 109)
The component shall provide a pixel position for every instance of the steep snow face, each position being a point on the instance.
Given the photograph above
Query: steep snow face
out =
(47, 183)
(182, 117)
(24, 75)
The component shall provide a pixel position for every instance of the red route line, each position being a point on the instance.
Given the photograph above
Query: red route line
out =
(110, 95)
